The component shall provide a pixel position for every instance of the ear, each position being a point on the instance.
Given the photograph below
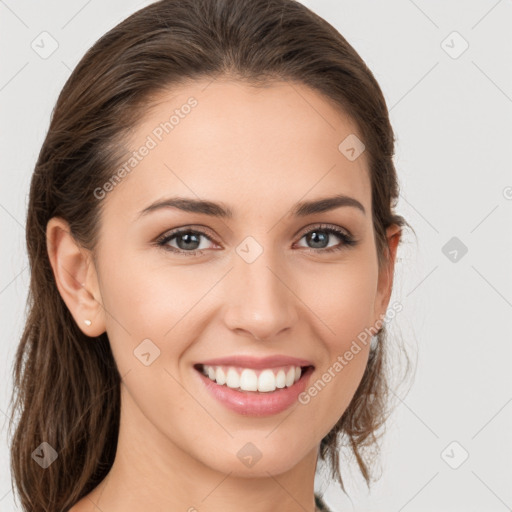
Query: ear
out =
(386, 272)
(76, 277)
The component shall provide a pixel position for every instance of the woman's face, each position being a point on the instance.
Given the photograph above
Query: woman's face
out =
(263, 281)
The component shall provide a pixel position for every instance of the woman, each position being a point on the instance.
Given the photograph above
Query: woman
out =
(212, 243)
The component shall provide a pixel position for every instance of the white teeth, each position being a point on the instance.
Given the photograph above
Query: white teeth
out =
(232, 379)
(290, 376)
(267, 381)
(248, 380)
(220, 376)
(281, 379)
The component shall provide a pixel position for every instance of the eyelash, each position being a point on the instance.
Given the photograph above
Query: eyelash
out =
(348, 240)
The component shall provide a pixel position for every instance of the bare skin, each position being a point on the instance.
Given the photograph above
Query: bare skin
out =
(258, 152)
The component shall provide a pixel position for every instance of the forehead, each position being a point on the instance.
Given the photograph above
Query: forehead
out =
(244, 145)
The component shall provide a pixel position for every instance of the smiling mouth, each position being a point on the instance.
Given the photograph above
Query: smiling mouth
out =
(257, 381)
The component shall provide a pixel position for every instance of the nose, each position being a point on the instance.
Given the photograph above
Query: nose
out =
(260, 299)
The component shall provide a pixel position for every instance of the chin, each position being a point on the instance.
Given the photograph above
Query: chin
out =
(250, 462)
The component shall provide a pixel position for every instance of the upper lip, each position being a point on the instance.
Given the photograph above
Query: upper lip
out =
(257, 362)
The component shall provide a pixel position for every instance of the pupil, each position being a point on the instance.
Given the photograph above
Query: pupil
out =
(314, 237)
(187, 238)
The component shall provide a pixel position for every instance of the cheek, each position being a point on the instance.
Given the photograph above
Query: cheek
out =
(148, 297)
(150, 325)
(342, 296)
(342, 299)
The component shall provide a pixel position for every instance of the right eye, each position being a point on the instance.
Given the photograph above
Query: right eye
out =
(188, 241)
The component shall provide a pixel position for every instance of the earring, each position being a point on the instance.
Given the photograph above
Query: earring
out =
(87, 322)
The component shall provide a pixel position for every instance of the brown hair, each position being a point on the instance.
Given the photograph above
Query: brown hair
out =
(67, 388)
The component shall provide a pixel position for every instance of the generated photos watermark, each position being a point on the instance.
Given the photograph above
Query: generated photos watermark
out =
(152, 141)
(363, 338)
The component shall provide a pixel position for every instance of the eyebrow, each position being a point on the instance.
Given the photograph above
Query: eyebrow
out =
(301, 209)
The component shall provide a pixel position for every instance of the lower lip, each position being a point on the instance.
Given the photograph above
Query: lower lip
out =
(254, 403)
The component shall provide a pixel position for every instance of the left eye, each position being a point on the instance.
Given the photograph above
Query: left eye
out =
(319, 235)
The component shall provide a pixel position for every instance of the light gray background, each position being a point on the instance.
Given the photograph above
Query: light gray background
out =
(453, 122)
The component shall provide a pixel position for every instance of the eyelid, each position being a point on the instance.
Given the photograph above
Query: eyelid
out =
(323, 225)
(199, 228)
